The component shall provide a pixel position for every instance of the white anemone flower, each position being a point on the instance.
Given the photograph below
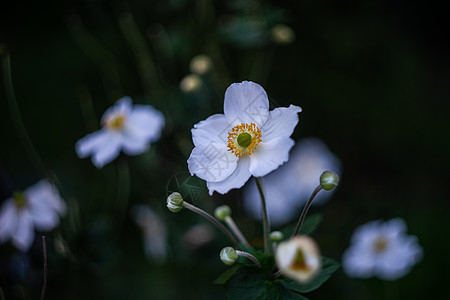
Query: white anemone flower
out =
(126, 127)
(39, 206)
(289, 187)
(246, 140)
(299, 258)
(381, 249)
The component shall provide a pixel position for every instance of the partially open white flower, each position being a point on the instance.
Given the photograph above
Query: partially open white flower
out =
(126, 127)
(288, 188)
(246, 140)
(299, 258)
(381, 249)
(38, 207)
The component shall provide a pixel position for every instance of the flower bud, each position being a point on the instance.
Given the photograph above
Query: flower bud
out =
(328, 180)
(222, 212)
(299, 258)
(175, 202)
(276, 236)
(228, 255)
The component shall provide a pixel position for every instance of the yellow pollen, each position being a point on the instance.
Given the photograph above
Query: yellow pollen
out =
(299, 263)
(240, 146)
(115, 122)
(380, 244)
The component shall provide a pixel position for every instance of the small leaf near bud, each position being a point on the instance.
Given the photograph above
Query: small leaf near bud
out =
(175, 202)
(222, 212)
(276, 236)
(228, 255)
(328, 180)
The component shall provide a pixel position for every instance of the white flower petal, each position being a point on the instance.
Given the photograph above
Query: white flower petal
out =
(212, 162)
(24, 235)
(132, 144)
(108, 150)
(145, 123)
(281, 122)
(234, 181)
(246, 102)
(43, 215)
(45, 192)
(214, 129)
(91, 142)
(122, 106)
(270, 155)
(8, 220)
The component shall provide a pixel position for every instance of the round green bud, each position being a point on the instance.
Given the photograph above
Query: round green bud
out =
(328, 180)
(222, 212)
(276, 236)
(175, 202)
(228, 255)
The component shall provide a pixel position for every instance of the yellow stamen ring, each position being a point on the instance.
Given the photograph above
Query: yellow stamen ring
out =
(115, 122)
(243, 139)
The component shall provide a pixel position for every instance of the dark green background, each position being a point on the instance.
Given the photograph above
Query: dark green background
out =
(372, 78)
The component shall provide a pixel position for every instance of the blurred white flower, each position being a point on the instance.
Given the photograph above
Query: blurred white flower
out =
(299, 258)
(126, 127)
(381, 249)
(39, 206)
(282, 34)
(154, 233)
(287, 189)
(201, 64)
(190, 83)
(246, 140)
(197, 236)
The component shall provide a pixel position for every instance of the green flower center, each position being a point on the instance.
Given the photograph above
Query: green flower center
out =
(115, 122)
(244, 139)
(20, 199)
(299, 262)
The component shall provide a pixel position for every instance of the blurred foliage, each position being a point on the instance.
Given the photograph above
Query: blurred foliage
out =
(371, 77)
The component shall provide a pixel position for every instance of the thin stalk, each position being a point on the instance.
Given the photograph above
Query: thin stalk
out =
(266, 224)
(212, 220)
(237, 232)
(248, 256)
(305, 210)
(44, 250)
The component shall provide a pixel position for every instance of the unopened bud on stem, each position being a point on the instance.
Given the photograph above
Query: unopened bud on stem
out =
(175, 202)
(222, 212)
(228, 255)
(328, 180)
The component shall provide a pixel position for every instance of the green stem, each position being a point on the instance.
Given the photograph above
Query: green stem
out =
(237, 232)
(249, 256)
(305, 210)
(266, 224)
(214, 221)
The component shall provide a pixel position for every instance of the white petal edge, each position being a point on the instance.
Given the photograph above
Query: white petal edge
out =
(90, 143)
(8, 220)
(214, 129)
(270, 155)
(236, 180)
(24, 235)
(212, 162)
(122, 106)
(281, 122)
(145, 122)
(246, 102)
(108, 151)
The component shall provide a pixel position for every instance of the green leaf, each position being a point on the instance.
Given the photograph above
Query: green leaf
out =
(251, 283)
(225, 276)
(309, 225)
(287, 294)
(329, 266)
